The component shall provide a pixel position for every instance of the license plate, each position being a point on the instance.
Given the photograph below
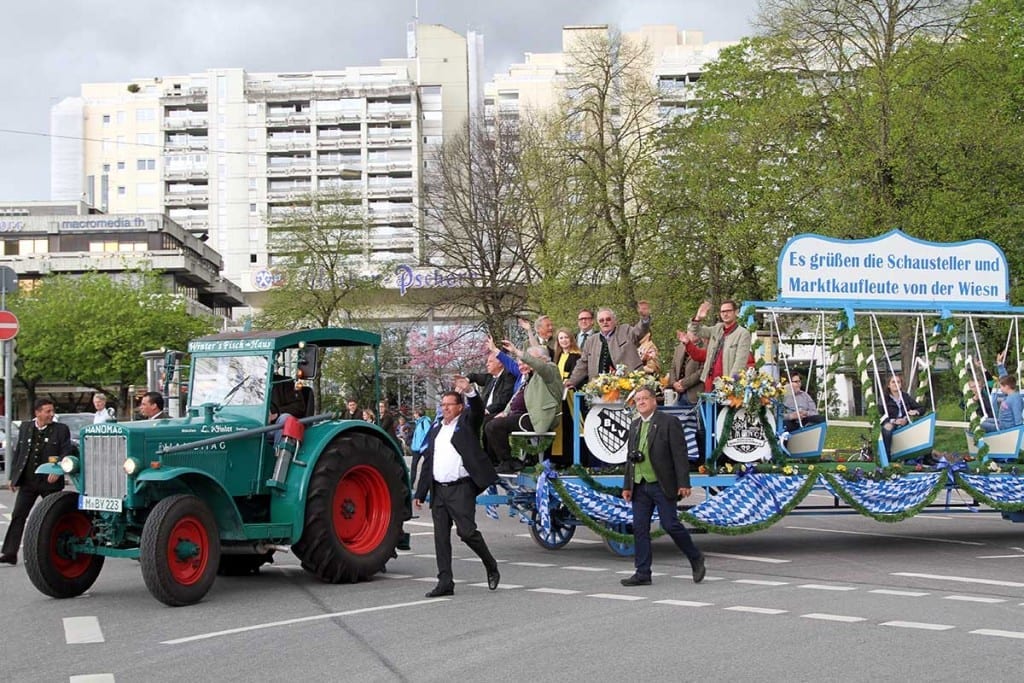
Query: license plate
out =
(99, 504)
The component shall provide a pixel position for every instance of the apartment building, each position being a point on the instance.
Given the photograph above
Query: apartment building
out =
(222, 152)
(539, 82)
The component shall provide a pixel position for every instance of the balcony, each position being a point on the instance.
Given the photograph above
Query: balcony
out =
(183, 96)
(182, 144)
(186, 123)
(277, 120)
(290, 170)
(288, 194)
(286, 144)
(185, 173)
(340, 142)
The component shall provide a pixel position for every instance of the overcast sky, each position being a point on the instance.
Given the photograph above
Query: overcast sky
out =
(51, 47)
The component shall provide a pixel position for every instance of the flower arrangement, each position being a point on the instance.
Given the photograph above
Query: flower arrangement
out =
(616, 385)
(751, 388)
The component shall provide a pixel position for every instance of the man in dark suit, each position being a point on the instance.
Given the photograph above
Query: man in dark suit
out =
(151, 406)
(38, 441)
(657, 475)
(496, 386)
(455, 471)
(614, 345)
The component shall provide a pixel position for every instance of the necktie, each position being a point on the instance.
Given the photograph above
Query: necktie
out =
(604, 363)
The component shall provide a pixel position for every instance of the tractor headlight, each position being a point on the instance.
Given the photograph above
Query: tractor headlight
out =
(69, 464)
(131, 466)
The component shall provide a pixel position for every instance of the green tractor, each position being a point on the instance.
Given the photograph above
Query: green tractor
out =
(221, 489)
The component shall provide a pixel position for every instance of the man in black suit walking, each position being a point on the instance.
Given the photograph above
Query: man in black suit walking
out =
(657, 475)
(455, 471)
(38, 441)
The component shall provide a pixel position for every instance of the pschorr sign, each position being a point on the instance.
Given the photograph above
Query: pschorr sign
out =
(407, 277)
(893, 270)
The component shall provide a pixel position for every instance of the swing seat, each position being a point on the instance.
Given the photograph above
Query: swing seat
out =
(910, 439)
(806, 442)
(1003, 445)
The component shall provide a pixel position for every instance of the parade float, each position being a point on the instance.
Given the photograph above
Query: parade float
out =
(847, 296)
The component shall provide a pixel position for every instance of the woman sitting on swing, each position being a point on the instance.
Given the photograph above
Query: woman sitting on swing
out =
(899, 408)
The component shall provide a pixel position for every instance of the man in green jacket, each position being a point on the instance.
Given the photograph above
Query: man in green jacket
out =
(533, 408)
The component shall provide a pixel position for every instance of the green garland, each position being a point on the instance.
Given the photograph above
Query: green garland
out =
(523, 444)
(801, 494)
(840, 489)
(586, 478)
(978, 495)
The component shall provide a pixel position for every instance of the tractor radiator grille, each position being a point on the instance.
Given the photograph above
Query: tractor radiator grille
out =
(103, 465)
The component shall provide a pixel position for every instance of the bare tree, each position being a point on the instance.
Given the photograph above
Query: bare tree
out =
(475, 213)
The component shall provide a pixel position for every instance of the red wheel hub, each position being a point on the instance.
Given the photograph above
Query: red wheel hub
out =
(188, 550)
(361, 509)
(69, 528)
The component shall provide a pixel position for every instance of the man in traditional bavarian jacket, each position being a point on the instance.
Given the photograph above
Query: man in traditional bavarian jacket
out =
(38, 441)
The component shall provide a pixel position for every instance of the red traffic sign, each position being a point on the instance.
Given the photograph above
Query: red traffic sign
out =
(8, 325)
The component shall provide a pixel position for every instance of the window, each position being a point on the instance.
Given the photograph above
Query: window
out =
(106, 168)
(145, 164)
(145, 189)
(146, 138)
(252, 258)
(120, 117)
(106, 119)
(33, 246)
(252, 208)
(145, 114)
(120, 166)
(121, 190)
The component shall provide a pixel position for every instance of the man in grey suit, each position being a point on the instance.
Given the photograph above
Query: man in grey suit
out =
(614, 345)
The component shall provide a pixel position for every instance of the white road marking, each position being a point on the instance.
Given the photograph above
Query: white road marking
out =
(824, 587)
(434, 578)
(426, 524)
(502, 586)
(630, 572)
(616, 596)
(833, 617)
(92, 678)
(586, 541)
(553, 591)
(431, 556)
(585, 569)
(539, 565)
(868, 533)
(908, 594)
(960, 579)
(82, 630)
(422, 533)
(998, 633)
(300, 620)
(761, 582)
(919, 625)
(707, 579)
(974, 598)
(755, 610)
(396, 576)
(998, 557)
(749, 558)
(683, 603)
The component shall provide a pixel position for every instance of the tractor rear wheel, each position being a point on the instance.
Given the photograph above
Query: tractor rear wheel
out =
(52, 565)
(180, 550)
(354, 513)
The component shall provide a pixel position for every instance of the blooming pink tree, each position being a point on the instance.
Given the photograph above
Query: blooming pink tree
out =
(434, 357)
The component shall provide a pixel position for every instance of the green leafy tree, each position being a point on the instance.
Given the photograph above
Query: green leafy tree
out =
(91, 330)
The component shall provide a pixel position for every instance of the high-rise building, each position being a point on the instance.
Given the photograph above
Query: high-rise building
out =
(224, 151)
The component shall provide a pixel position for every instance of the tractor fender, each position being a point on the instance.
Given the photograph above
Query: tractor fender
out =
(173, 480)
(290, 503)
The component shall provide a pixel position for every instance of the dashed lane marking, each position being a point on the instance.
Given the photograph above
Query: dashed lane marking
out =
(754, 610)
(960, 579)
(683, 603)
(918, 625)
(92, 678)
(749, 558)
(761, 582)
(997, 633)
(502, 586)
(426, 524)
(844, 618)
(431, 579)
(906, 594)
(707, 579)
(825, 587)
(300, 620)
(974, 598)
(898, 536)
(576, 568)
(554, 591)
(396, 576)
(79, 630)
(630, 572)
(616, 596)
(422, 533)
(537, 565)
(999, 557)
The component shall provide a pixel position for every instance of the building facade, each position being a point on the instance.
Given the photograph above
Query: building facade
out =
(223, 152)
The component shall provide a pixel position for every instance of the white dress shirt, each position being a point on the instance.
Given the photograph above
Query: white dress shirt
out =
(447, 461)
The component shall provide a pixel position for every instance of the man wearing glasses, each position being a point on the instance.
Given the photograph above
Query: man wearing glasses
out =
(585, 321)
(455, 471)
(727, 350)
(614, 345)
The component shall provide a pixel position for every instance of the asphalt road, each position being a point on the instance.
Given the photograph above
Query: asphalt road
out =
(936, 598)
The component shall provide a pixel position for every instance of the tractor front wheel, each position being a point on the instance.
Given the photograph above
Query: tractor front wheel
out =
(53, 566)
(180, 550)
